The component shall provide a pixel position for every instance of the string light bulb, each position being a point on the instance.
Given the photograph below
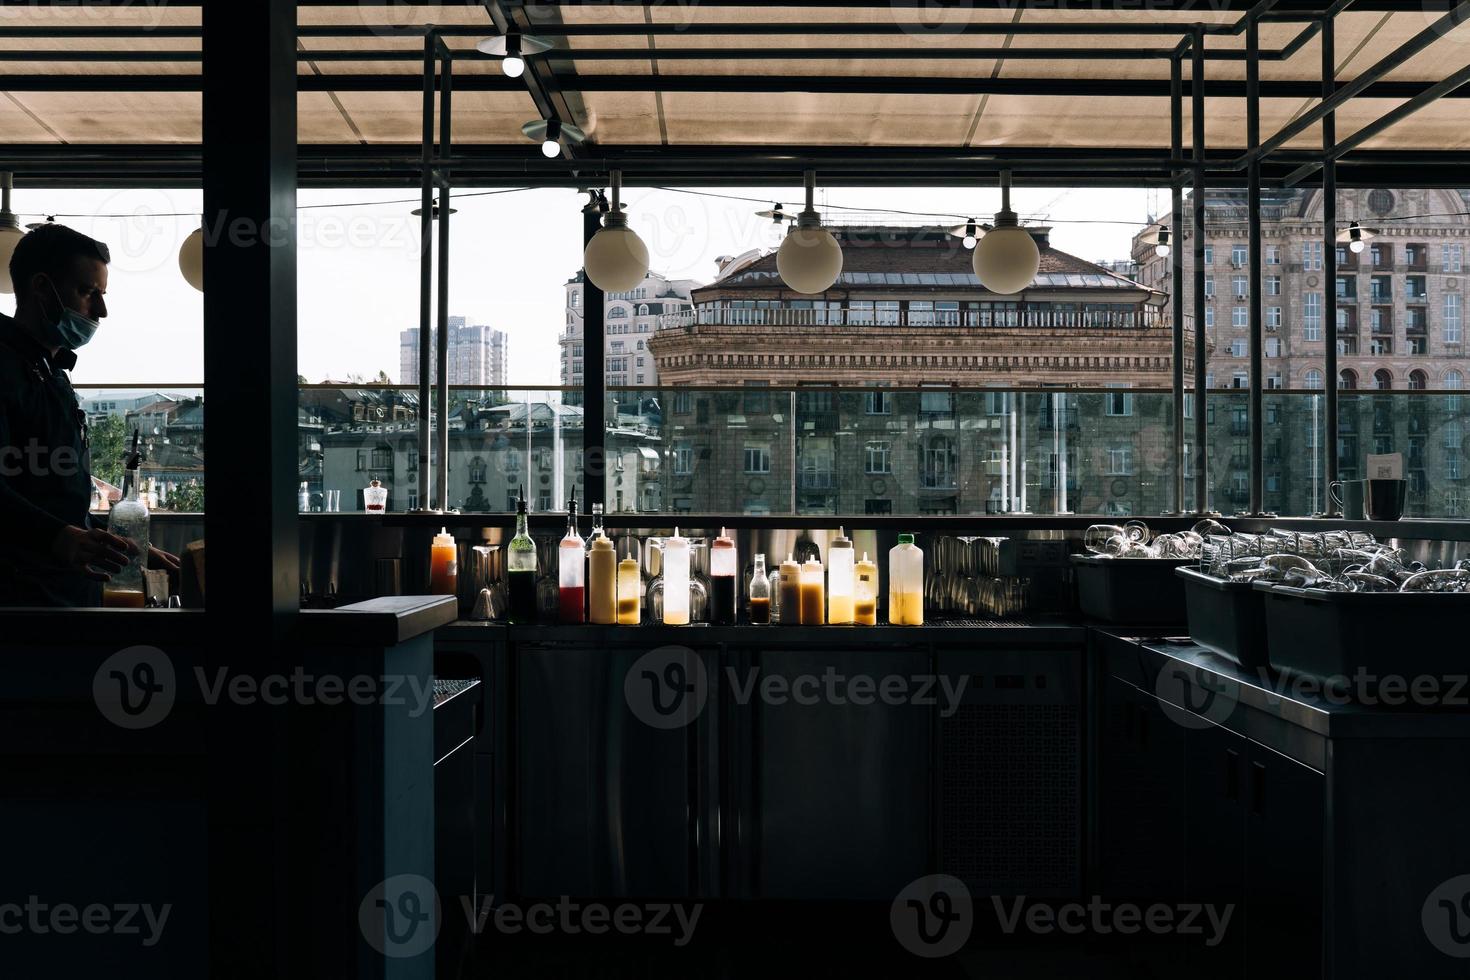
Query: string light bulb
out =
(970, 237)
(551, 143)
(1006, 260)
(809, 259)
(551, 134)
(1355, 237)
(616, 260)
(513, 49)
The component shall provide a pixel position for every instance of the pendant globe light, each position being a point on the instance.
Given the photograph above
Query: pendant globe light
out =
(809, 260)
(1006, 260)
(616, 259)
(191, 259)
(10, 232)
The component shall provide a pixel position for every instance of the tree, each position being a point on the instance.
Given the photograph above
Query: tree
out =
(108, 439)
(188, 497)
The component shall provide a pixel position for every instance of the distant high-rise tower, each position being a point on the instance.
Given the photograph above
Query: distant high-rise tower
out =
(477, 355)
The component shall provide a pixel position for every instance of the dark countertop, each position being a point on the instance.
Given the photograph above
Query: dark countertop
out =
(988, 632)
(1141, 660)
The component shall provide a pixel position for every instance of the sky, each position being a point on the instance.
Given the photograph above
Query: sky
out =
(511, 254)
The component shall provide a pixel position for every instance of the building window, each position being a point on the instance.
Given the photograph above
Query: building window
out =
(877, 505)
(1382, 379)
(1452, 318)
(1313, 380)
(1118, 404)
(938, 471)
(1418, 380)
(576, 299)
(1239, 316)
(1273, 285)
(1273, 381)
(1237, 347)
(1273, 317)
(1453, 381)
(1312, 316)
(1209, 286)
(1240, 287)
(1239, 256)
(757, 459)
(1312, 256)
(683, 459)
(1273, 255)
(1209, 318)
(1273, 347)
(877, 457)
(383, 458)
(1454, 258)
(1209, 256)
(362, 460)
(1120, 461)
(1239, 380)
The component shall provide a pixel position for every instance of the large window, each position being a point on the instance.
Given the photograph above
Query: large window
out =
(757, 458)
(1312, 316)
(1452, 318)
(877, 456)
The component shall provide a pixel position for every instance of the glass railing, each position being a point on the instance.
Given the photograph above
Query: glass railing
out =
(818, 450)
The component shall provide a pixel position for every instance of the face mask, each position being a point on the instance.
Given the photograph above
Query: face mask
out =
(71, 330)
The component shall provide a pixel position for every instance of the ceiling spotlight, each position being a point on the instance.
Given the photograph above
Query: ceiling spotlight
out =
(433, 211)
(550, 133)
(1006, 260)
(513, 49)
(1355, 237)
(10, 232)
(1162, 246)
(616, 260)
(775, 214)
(809, 260)
(968, 233)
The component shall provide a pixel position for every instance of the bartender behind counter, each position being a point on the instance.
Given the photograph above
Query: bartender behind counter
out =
(50, 552)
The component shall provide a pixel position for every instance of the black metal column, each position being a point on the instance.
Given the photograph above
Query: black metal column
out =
(1329, 266)
(441, 178)
(1257, 308)
(594, 373)
(1176, 262)
(1201, 395)
(426, 271)
(249, 179)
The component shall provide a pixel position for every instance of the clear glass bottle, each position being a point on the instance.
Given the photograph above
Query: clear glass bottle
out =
(865, 592)
(840, 580)
(906, 583)
(760, 593)
(676, 580)
(630, 592)
(602, 574)
(572, 570)
(375, 498)
(722, 565)
(812, 611)
(520, 567)
(128, 519)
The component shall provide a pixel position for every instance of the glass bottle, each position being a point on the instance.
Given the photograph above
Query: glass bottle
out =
(630, 592)
(760, 593)
(811, 593)
(789, 599)
(676, 580)
(129, 520)
(865, 593)
(602, 574)
(375, 498)
(722, 561)
(520, 566)
(840, 580)
(572, 570)
(906, 583)
(444, 565)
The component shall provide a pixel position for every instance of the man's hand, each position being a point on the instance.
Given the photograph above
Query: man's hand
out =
(96, 554)
(164, 560)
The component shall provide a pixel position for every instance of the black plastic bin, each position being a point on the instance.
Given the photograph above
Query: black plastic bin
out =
(1357, 641)
(1131, 591)
(1226, 617)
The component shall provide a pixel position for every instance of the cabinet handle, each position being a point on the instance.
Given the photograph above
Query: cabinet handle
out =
(1258, 787)
(1232, 775)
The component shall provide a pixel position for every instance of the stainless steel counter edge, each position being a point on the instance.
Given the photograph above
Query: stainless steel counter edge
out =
(1140, 661)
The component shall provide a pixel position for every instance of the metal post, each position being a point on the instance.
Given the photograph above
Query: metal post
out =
(1257, 309)
(249, 168)
(426, 270)
(1201, 395)
(1176, 262)
(1329, 264)
(446, 140)
(594, 372)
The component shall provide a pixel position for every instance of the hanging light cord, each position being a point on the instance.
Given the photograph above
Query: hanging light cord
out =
(460, 196)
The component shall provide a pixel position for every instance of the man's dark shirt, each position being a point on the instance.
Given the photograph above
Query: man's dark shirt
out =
(45, 473)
